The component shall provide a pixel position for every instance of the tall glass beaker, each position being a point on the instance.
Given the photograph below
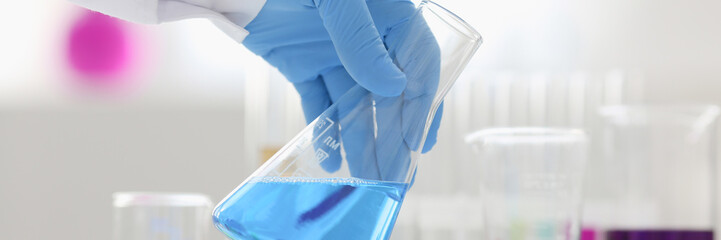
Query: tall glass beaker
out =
(160, 216)
(531, 182)
(660, 167)
(345, 175)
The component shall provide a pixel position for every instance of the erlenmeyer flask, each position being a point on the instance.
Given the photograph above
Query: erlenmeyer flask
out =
(345, 175)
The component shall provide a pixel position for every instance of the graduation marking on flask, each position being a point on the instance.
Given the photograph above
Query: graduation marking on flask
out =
(331, 142)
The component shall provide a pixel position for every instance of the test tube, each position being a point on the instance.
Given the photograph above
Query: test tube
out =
(531, 181)
(161, 216)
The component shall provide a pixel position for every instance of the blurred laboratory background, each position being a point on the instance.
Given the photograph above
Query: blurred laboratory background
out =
(182, 108)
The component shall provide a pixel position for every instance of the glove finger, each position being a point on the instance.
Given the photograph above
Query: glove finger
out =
(416, 51)
(337, 82)
(314, 97)
(359, 45)
(432, 136)
(315, 100)
(392, 153)
(355, 115)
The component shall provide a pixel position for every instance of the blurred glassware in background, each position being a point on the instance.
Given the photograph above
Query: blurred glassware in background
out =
(531, 182)
(515, 99)
(451, 173)
(161, 216)
(659, 166)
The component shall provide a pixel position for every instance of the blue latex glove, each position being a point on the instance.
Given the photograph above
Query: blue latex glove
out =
(326, 47)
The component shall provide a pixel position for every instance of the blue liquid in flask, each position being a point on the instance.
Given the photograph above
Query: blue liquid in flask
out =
(311, 208)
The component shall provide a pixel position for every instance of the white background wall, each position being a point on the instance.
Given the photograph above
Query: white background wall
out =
(62, 155)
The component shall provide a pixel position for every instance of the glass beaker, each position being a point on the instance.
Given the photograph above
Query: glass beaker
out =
(531, 182)
(659, 165)
(160, 216)
(345, 175)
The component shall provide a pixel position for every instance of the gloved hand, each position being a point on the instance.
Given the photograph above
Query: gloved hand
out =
(326, 47)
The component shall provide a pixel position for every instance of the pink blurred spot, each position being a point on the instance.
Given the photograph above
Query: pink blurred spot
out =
(588, 233)
(99, 49)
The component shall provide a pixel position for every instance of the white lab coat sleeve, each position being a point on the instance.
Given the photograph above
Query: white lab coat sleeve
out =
(159, 11)
(139, 11)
